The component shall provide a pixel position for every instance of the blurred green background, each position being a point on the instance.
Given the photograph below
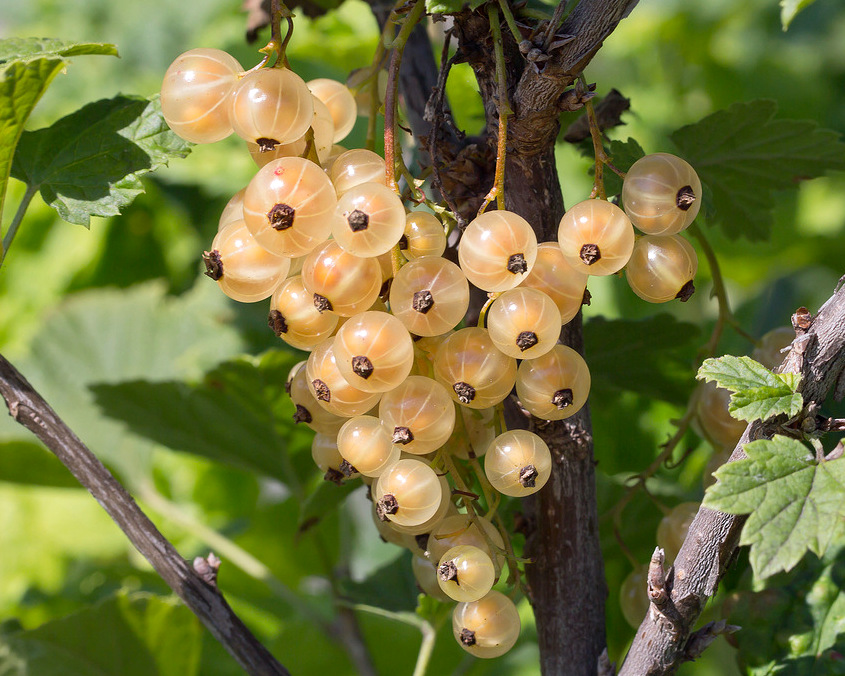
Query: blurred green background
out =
(125, 300)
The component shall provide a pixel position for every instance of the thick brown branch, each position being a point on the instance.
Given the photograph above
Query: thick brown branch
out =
(818, 353)
(193, 587)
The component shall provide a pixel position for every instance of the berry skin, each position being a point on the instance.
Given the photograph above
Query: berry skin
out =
(596, 237)
(429, 295)
(423, 236)
(308, 409)
(524, 323)
(488, 627)
(518, 463)
(374, 352)
(330, 388)
(365, 445)
(244, 270)
(661, 194)
(370, 219)
(270, 106)
(769, 351)
(408, 493)
(497, 250)
(327, 458)
(553, 276)
(288, 206)
(554, 386)
(465, 573)
(340, 282)
(673, 528)
(340, 104)
(460, 529)
(662, 268)
(474, 371)
(355, 167)
(195, 94)
(425, 573)
(713, 420)
(418, 415)
(633, 598)
(294, 318)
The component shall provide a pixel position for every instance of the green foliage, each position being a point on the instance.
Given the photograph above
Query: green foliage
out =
(789, 10)
(237, 414)
(785, 629)
(27, 66)
(128, 635)
(325, 497)
(743, 154)
(26, 462)
(451, 6)
(622, 154)
(648, 356)
(90, 162)
(391, 587)
(795, 501)
(758, 394)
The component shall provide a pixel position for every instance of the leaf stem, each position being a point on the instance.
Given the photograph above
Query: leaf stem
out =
(16, 221)
(429, 636)
(598, 145)
(510, 21)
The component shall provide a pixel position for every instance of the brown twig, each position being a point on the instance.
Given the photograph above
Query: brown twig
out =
(196, 585)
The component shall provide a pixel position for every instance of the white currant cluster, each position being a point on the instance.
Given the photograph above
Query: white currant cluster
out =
(398, 393)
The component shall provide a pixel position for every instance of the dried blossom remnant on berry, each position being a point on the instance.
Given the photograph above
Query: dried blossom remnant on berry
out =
(322, 303)
(590, 254)
(387, 505)
(588, 297)
(402, 435)
(358, 220)
(321, 390)
(526, 340)
(265, 145)
(686, 292)
(213, 264)
(422, 541)
(467, 637)
(333, 475)
(517, 264)
(423, 301)
(361, 366)
(276, 322)
(685, 198)
(528, 476)
(347, 469)
(281, 217)
(465, 392)
(302, 415)
(562, 398)
(448, 571)
(403, 243)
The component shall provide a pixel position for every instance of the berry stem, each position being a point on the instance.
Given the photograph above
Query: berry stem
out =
(598, 145)
(497, 192)
(510, 21)
(16, 221)
(279, 11)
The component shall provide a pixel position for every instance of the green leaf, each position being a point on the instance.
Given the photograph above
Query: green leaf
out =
(451, 6)
(127, 635)
(90, 162)
(789, 10)
(786, 627)
(27, 66)
(646, 356)
(759, 394)
(622, 154)
(324, 498)
(391, 587)
(237, 414)
(795, 503)
(27, 462)
(744, 155)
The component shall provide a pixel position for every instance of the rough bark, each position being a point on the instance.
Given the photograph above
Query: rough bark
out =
(196, 586)
(661, 645)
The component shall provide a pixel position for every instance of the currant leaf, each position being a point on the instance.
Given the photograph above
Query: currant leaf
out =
(794, 502)
(789, 10)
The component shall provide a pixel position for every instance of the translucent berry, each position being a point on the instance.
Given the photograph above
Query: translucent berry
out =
(429, 295)
(330, 388)
(423, 235)
(673, 528)
(713, 420)
(661, 194)
(244, 270)
(662, 268)
(233, 211)
(554, 386)
(355, 167)
(475, 372)
(370, 219)
(556, 278)
(270, 106)
(488, 627)
(419, 415)
(461, 529)
(518, 463)
(772, 348)
(365, 445)
(425, 573)
(308, 409)
(408, 493)
(466, 573)
(633, 596)
(524, 323)
(195, 94)
(374, 352)
(596, 237)
(340, 103)
(340, 282)
(479, 425)
(497, 250)
(288, 206)
(327, 457)
(294, 319)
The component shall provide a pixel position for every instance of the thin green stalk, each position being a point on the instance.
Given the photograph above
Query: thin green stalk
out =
(408, 25)
(429, 636)
(16, 221)
(506, 12)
